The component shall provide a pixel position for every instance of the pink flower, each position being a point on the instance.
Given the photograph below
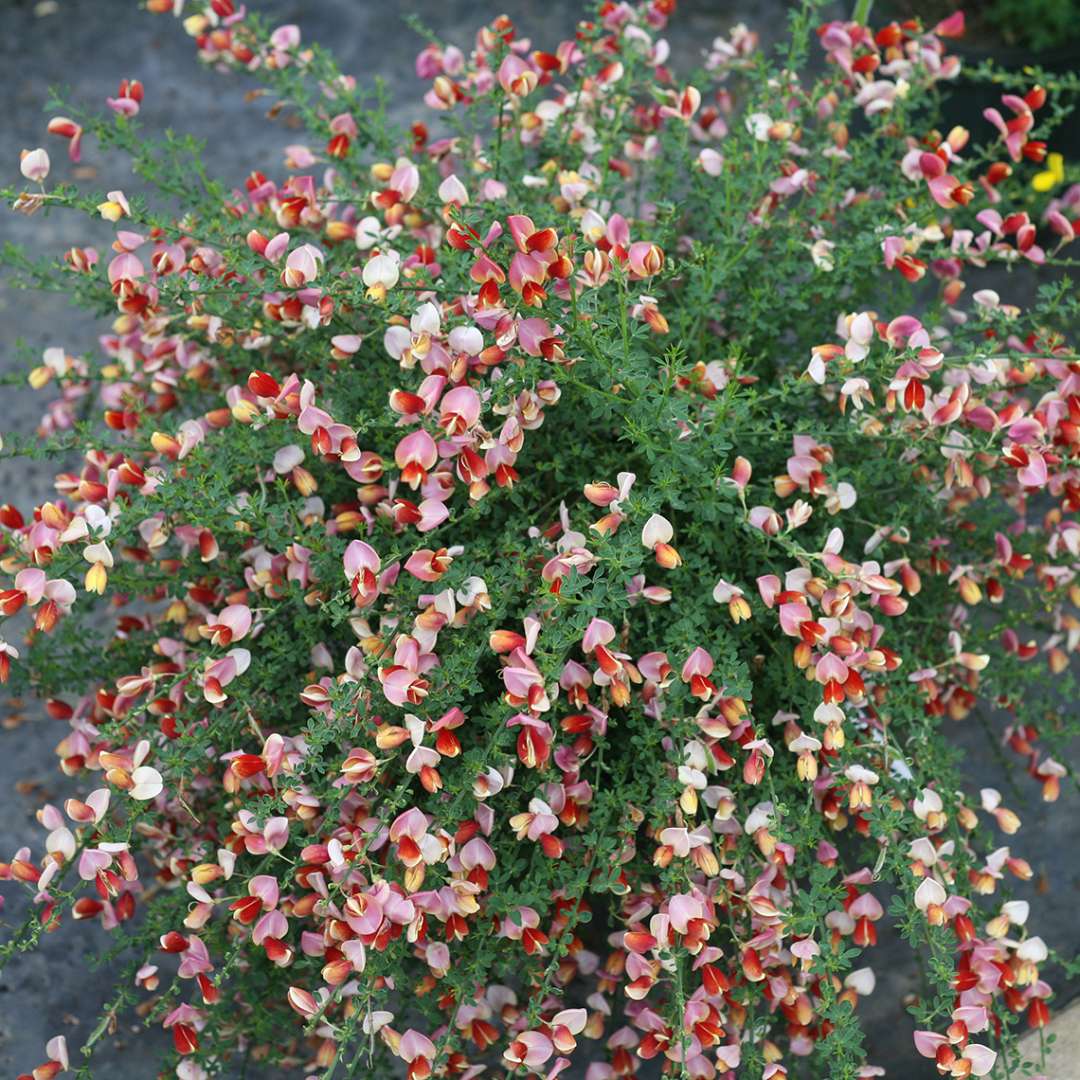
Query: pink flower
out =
(362, 567)
(415, 455)
(516, 77)
(34, 164)
(68, 129)
(979, 1059)
(531, 1049)
(128, 98)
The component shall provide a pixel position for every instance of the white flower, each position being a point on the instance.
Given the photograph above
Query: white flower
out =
(382, 270)
(821, 251)
(657, 530)
(929, 892)
(148, 783)
(34, 164)
(758, 125)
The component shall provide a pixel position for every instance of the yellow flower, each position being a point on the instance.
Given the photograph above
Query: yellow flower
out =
(40, 376)
(96, 578)
(1054, 174)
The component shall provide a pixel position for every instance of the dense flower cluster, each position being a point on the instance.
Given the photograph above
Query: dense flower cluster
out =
(507, 611)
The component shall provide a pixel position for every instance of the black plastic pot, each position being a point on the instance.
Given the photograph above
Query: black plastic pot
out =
(967, 97)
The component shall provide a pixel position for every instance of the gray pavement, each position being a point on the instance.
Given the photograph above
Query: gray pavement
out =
(89, 45)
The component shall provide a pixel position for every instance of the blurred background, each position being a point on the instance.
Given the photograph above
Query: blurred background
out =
(85, 47)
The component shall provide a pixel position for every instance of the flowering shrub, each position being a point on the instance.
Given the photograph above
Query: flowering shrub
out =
(515, 573)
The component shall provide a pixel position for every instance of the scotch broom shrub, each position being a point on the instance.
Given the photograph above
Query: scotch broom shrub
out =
(511, 575)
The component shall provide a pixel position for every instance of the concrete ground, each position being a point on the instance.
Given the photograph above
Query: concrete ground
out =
(88, 45)
(1063, 1062)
